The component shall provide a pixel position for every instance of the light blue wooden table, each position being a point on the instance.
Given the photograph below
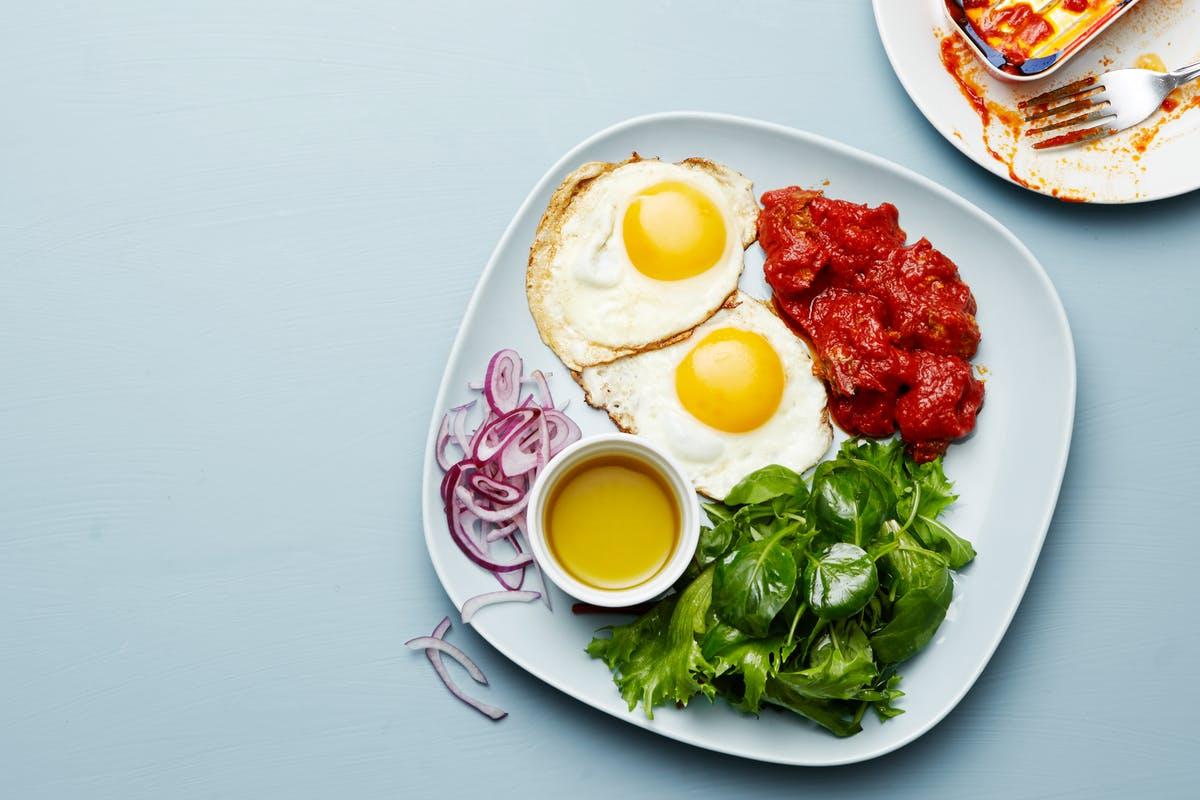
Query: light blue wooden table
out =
(235, 241)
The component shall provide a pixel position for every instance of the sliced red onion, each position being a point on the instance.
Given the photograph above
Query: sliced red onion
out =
(496, 534)
(466, 542)
(498, 434)
(443, 439)
(441, 645)
(502, 514)
(513, 581)
(522, 535)
(530, 451)
(562, 430)
(505, 579)
(491, 598)
(494, 490)
(483, 708)
(458, 425)
(545, 586)
(502, 381)
(539, 380)
(485, 493)
(434, 654)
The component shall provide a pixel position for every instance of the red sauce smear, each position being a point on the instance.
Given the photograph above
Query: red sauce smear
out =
(893, 325)
(1077, 135)
(955, 59)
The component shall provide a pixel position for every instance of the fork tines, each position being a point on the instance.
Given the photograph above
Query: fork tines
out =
(1063, 91)
(1085, 95)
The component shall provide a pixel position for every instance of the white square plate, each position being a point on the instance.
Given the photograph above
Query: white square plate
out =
(1008, 473)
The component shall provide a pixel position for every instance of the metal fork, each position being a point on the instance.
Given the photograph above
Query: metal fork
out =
(1117, 100)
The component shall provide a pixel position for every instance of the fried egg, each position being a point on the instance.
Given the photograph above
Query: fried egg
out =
(736, 395)
(633, 254)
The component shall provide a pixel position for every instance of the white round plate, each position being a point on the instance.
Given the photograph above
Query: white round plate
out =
(1125, 168)
(1008, 473)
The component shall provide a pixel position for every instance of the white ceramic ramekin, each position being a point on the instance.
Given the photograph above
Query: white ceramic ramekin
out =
(689, 518)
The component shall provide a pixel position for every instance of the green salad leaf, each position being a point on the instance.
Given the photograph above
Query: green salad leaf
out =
(767, 484)
(924, 589)
(851, 500)
(841, 666)
(752, 583)
(656, 658)
(928, 495)
(840, 581)
(840, 718)
(804, 595)
(731, 651)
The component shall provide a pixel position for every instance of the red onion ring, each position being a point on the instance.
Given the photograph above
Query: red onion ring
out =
(464, 496)
(470, 547)
(485, 493)
(502, 381)
(503, 431)
(495, 490)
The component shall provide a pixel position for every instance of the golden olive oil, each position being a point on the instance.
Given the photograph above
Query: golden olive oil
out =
(612, 522)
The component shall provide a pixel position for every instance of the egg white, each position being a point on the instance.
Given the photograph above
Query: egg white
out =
(590, 303)
(638, 392)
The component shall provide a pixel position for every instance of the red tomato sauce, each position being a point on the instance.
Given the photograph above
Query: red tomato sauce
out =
(892, 324)
(1014, 30)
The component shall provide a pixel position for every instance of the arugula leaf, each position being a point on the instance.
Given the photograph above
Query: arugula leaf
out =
(718, 512)
(752, 583)
(655, 659)
(838, 717)
(851, 500)
(755, 660)
(929, 494)
(886, 686)
(887, 456)
(937, 491)
(840, 581)
(765, 484)
(908, 565)
(934, 534)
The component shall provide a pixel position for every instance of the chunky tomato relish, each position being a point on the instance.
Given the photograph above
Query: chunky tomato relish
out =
(892, 324)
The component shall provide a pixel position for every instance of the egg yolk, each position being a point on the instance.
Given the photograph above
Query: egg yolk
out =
(673, 231)
(732, 380)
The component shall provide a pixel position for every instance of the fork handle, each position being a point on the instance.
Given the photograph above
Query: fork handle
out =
(1186, 74)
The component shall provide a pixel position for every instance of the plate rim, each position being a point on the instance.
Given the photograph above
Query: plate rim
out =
(428, 482)
(991, 165)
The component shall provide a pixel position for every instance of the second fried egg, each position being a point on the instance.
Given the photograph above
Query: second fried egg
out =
(737, 395)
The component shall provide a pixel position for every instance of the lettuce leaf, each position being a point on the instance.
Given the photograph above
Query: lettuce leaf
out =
(656, 659)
